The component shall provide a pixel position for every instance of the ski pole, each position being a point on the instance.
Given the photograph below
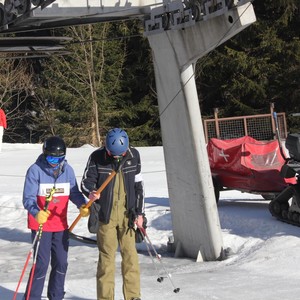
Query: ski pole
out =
(158, 256)
(38, 236)
(101, 188)
(39, 233)
(28, 257)
(278, 136)
(25, 265)
(159, 278)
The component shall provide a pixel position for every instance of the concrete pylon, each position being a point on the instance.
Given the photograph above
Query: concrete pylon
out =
(196, 226)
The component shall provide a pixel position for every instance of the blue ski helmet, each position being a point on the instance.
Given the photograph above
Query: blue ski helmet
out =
(117, 141)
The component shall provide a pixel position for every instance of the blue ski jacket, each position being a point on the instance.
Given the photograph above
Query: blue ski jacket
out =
(39, 181)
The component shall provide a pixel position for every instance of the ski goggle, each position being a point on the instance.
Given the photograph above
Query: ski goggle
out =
(54, 160)
(115, 156)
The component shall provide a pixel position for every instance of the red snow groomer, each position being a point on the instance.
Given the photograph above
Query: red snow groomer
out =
(247, 165)
(286, 206)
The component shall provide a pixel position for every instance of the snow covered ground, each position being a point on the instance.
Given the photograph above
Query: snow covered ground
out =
(264, 261)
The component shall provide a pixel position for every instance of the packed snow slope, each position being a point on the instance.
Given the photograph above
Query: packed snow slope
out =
(264, 255)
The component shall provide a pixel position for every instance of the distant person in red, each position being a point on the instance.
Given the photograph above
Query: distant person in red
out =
(3, 125)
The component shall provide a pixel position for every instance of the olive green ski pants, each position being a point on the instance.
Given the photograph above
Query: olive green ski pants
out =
(109, 237)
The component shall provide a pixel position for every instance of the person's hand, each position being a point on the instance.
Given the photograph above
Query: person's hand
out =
(94, 196)
(42, 216)
(139, 221)
(84, 211)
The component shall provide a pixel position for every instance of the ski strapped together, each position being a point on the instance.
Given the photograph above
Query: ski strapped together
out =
(36, 242)
(282, 207)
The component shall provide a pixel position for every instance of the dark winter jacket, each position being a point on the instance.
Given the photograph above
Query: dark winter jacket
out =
(100, 166)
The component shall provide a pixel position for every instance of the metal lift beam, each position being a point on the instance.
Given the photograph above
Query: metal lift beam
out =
(179, 33)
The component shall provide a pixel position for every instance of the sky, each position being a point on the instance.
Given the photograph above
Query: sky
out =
(264, 254)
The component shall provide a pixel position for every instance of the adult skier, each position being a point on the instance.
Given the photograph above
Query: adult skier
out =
(121, 200)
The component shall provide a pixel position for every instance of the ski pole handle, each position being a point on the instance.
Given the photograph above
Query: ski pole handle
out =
(142, 229)
(49, 198)
(101, 188)
(278, 136)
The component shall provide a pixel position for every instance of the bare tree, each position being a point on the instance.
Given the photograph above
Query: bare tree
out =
(15, 87)
(82, 76)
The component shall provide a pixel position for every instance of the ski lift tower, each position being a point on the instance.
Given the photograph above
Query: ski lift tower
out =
(179, 32)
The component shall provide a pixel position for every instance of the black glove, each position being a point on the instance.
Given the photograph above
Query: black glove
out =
(139, 237)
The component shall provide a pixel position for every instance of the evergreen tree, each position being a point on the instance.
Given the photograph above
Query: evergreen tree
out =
(256, 67)
(81, 87)
(103, 83)
(139, 114)
(108, 80)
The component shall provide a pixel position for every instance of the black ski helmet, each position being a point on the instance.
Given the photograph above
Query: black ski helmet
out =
(54, 146)
(117, 141)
